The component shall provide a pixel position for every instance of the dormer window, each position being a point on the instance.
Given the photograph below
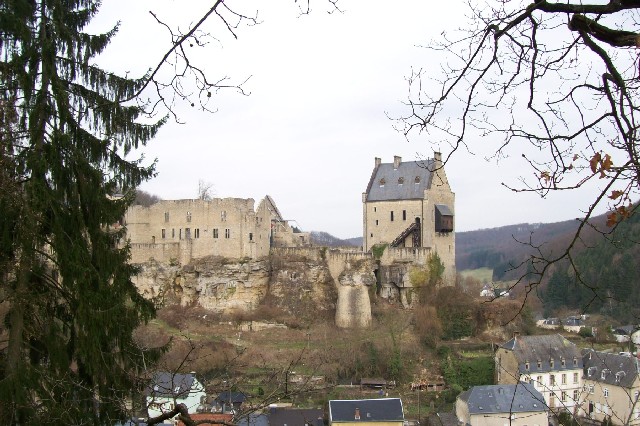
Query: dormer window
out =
(382, 181)
(416, 180)
(603, 374)
(400, 180)
(551, 362)
(575, 361)
(539, 364)
(590, 371)
(526, 365)
(619, 376)
(563, 362)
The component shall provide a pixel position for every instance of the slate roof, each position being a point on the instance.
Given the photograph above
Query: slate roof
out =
(519, 398)
(540, 350)
(371, 410)
(170, 385)
(295, 417)
(254, 419)
(231, 397)
(409, 189)
(624, 330)
(620, 370)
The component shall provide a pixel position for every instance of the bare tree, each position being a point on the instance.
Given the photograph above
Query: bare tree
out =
(554, 84)
(206, 190)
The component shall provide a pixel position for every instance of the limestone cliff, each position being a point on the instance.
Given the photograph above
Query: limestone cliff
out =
(306, 284)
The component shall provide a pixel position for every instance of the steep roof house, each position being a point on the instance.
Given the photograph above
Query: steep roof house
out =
(166, 390)
(498, 405)
(279, 416)
(409, 204)
(387, 411)
(551, 363)
(228, 401)
(611, 387)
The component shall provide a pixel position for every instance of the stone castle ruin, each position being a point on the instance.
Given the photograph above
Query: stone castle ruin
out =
(225, 256)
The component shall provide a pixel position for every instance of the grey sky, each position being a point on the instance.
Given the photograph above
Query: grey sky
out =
(315, 119)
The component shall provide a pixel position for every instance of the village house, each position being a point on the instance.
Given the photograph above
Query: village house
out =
(166, 390)
(551, 363)
(611, 388)
(498, 405)
(371, 412)
(181, 230)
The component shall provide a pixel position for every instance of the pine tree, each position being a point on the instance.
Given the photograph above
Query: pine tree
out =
(65, 284)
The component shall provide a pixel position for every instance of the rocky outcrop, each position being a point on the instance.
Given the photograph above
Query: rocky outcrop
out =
(302, 286)
(354, 306)
(302, 283)
(214, 283)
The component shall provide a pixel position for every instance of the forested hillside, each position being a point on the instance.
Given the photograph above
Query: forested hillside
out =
(608, 281)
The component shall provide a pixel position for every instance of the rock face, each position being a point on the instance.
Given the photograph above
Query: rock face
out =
(354, 306)
(299, 283)
(302, 286)
(214, 283)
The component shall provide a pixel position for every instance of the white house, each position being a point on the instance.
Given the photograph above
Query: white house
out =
(166, 390)
(551, 363)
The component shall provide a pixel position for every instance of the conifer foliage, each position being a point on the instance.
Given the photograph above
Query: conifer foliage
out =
(69, 305)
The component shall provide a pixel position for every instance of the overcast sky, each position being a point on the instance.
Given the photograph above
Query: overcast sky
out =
(321, 89)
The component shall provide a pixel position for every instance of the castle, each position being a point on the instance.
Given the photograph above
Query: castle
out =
(410, 204)
(408, 215)
(181, 230)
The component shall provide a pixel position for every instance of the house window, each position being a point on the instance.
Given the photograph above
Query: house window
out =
(576, 395)
(180, 233)
(591, 389)
(606, 392)
(173, 232)
(563, 397)
(166, 216)
(375, 209)
(223, 215)
(376, 222)
(564, 379)
(227, 233)
(552, 380)
(196, 233)
(164, 233)
(404, 215)
(187, 233)
(215, 232)
(539, 380)
(575, 377)
(188, 216)
(391, 216)
(250, 236)
(372, 235)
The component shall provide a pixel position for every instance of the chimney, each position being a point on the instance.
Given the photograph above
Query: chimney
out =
(396, 161)
(357, 415)
(378, 161)
(437, 156)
